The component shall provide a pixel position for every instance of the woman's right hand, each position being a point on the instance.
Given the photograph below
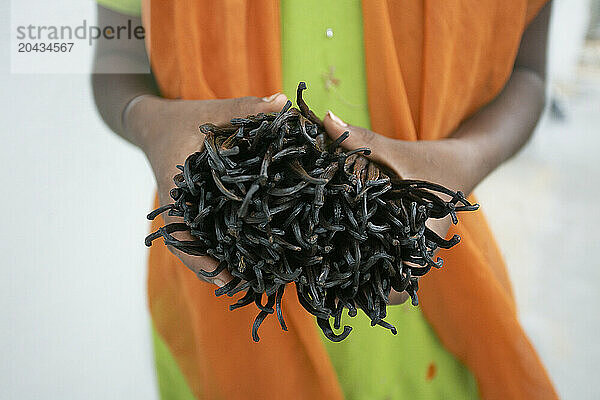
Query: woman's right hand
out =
(167, 131)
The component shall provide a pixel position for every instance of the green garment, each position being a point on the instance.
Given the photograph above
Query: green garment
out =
(128, 7)
(322, 44)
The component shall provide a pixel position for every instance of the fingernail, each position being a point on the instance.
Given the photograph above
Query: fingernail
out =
(270, 98)
(336, 119)
(219, 282)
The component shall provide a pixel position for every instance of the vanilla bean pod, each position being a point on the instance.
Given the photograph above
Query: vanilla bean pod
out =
(276, 202)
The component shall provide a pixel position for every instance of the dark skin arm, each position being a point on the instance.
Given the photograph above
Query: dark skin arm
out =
(113, 92)
(482, 143)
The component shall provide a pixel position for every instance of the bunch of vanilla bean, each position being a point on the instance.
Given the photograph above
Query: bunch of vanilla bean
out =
(276, 202)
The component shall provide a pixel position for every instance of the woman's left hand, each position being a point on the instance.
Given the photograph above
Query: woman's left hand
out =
(446, 162)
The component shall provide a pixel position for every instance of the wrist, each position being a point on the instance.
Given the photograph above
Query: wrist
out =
(136, 120)
(473, 164)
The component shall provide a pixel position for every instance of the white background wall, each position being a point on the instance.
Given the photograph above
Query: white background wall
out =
(74, 322)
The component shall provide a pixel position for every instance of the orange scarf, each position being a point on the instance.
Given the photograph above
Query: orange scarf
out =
(430, 64)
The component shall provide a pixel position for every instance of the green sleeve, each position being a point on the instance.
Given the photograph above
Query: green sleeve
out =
(128, 7)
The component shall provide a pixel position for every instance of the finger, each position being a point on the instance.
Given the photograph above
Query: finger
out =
(397, 298)
(358, 137)
(221, 111)
(206, 263)
(196, 263)
(243, 106)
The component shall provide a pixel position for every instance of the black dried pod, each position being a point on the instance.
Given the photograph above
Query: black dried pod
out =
(277, 202)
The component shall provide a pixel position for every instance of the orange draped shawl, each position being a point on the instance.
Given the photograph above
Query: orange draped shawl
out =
(430, 64)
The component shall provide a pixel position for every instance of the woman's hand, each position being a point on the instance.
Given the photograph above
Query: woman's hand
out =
(167, 131)
(448, 162)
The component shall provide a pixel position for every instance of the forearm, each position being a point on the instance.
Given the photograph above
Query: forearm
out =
(501, 129)
(115, 91)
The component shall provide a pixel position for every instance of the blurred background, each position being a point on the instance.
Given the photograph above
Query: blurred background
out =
(74, 321)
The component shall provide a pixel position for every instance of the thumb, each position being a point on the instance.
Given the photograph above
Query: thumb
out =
(244, 106)
(379, 145)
